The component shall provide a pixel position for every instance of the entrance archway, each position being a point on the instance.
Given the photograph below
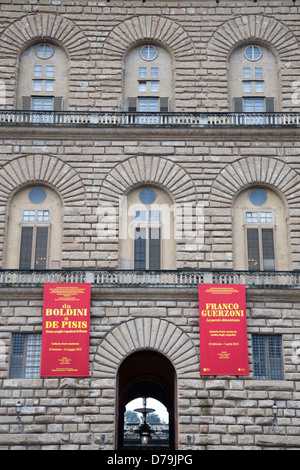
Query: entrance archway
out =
(147, 374)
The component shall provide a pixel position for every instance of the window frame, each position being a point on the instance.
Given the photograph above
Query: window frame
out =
(268, 361)
(146, 224)
(20, 366)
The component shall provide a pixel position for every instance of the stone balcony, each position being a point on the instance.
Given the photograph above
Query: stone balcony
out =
(157, 279)
(137, 119)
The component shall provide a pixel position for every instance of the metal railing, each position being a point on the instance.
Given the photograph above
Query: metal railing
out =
(164, 278)
(168, 119)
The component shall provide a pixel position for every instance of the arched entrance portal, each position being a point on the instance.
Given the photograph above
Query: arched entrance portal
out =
(146, 374)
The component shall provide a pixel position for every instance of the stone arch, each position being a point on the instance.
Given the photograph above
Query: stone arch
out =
(249, 28)
(244, 29)
(146, 333)
(150, 27)
(255, 170)
(147, 170)
(42, 169)
(21, 33)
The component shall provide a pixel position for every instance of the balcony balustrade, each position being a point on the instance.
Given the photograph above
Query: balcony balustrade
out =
(136, 119)
(165, 279)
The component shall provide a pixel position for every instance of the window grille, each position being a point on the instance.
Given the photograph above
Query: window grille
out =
(25, 356)
(267, 357)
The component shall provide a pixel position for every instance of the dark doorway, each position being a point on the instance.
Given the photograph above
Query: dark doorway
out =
(146, 374)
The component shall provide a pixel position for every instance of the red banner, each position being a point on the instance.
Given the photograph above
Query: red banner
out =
(66, 330)
(223, 329)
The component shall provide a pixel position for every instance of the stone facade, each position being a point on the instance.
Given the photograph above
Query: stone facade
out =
(91, 166)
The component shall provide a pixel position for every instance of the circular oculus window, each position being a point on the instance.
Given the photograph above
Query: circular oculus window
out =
(37, 195)
(44, 51)
(258, 197)
(148, 53)
(147, 196)
(253, 53)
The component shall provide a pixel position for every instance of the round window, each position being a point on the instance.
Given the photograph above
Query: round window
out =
(258, 197)
(253, 53)
(37, 195)
(148, 53)
(44, 51)
(147, 196)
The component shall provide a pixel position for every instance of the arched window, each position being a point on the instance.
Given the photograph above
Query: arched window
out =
(147, 230)
(253, 80)
(260, 231)
(148, 79)
(34, 234)
(43, 83)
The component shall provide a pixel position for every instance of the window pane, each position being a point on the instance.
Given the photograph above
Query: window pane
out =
(154, 86)
(43, 216)
(154, 216)
(37, 85)
(33, 355)
(49, 85)
(246, 72)
(154, 248)
(253, 249)
(259, 87)
(247, 87)
(16, 360)
(258, 72)
(142, 72)
(50, 71)
(267, 357)
(38, 70)
(41, 248)
(268, 249)
(142, 86)
(251, 217)
(141, 216)
(140, 249)
(154, 72)
(266, 217)
(26, 248)
(28, 216)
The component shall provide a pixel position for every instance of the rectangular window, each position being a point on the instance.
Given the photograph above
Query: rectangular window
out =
(42, 104)
(251, 217)
(154, 72)
(50, 71)
(259, 87)
(267, 357)
(154, 248)
(258, 73)
(154, 86)
(37, 85)
(254, 105)
(142, 72)
(140, 248)
(49, 85)
(28, 216)
(247, 86)
(25, 356)
(142, 86)
(43, 216)
(268, 249)
(253, 249)
(38, 70)
(34, 248)
(261, 250)
(246, 72)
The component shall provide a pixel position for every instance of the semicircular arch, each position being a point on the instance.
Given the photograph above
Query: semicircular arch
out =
(138, 171)
(146, 333)
(39, 169)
